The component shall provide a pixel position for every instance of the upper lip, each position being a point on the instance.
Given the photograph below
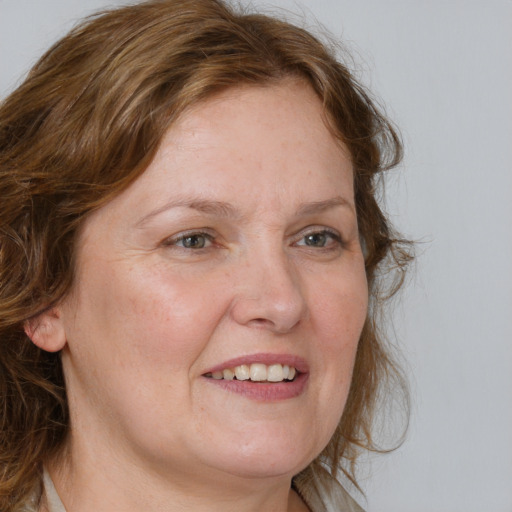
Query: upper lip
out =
(297, 362)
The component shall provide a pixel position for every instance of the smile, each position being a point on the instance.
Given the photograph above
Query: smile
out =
(256, 372)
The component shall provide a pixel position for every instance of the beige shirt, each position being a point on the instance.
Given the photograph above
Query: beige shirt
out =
(314, 493)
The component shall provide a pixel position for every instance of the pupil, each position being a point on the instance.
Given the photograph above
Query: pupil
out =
(316, 239)
(194, 242)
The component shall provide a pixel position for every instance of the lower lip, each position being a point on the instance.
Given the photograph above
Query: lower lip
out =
(264, 391)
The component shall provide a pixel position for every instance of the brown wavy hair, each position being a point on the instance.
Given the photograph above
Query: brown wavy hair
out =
(86, 123)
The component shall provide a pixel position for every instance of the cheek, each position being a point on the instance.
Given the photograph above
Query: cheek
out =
(165, 318)
(341, 306)
(135, 334)
(338, 318)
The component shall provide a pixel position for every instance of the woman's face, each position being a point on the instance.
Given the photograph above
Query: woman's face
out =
(237, 251)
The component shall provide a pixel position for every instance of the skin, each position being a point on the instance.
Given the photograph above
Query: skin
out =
(255, 176)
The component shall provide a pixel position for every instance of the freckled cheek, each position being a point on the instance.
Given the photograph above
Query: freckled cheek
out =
(172, 319)
(339, 320)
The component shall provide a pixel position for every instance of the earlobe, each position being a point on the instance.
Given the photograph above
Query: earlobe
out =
(47, 330)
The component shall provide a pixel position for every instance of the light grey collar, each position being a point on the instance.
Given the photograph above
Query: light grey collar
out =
(52, 498)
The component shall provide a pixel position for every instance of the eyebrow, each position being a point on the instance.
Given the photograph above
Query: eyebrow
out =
(321, 206)
(210, 207)
(226, 210)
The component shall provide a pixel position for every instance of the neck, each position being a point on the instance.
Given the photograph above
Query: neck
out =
(85, 483)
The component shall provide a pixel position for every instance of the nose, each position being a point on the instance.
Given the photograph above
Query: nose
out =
(270, 294)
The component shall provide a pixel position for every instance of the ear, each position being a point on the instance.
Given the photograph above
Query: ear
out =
(47, 330)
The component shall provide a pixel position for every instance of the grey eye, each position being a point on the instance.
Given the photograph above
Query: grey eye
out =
(316, 239)
(322, 239)
(197, 241)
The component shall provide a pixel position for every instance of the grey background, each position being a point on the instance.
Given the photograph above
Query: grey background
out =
(444, 71)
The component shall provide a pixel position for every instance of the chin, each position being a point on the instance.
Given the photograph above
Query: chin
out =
(267, 456)
(259, 468)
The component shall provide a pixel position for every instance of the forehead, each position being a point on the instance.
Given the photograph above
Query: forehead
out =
(276, 128)
(249, 107)
(264, 148)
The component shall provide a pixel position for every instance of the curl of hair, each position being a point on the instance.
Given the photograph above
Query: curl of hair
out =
(86, 123)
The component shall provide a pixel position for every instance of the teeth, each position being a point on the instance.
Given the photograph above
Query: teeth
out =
(242, 372)
(228, 374)
(275, 373)
(256, 372)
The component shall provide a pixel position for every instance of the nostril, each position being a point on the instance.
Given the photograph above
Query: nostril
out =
(263, 322)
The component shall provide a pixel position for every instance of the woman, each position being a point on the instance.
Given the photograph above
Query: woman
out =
(190, 244)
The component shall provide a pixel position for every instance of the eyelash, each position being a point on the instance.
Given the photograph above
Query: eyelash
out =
(209, 239)
(333, 235)
(173, 242)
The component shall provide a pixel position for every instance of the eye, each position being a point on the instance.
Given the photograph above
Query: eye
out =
(192, 241)
(321, 239)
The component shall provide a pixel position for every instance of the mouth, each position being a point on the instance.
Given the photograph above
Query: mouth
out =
(256, 372)
(262, 377)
